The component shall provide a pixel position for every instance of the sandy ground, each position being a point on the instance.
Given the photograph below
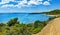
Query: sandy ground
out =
(53, 28)
(54, 15)
(51, 15)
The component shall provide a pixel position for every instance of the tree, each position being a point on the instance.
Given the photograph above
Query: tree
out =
(25, 31)
(12, 22)
(45, 23)
(37, 23)
(2, 24)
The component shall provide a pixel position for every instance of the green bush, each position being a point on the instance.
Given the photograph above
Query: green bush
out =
(13, 27)
(12, 22)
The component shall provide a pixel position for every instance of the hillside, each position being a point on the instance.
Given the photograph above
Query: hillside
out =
(53, 12)
(53, 28)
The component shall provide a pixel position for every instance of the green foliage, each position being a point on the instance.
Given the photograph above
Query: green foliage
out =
(1, 24)
(13, 27)
(51, 18)
(53, 12)
(25, 31)
(37, 24)
(36, 30)
(12, 22)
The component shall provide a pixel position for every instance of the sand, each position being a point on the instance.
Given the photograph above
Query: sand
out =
(52, 28)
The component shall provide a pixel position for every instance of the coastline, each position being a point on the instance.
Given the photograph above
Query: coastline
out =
(53, 15)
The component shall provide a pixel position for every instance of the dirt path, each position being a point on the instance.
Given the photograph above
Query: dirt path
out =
(53, 28)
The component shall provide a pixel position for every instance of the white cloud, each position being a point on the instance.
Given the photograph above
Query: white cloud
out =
(6, 1)
(35, 2)
(32, 2)
(46, 3)
(24, 3)
(8, 5)
(40, 0)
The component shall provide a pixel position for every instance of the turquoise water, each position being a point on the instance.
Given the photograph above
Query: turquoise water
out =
(23, 18)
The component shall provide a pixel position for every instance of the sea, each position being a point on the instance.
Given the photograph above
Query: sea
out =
(23, 17)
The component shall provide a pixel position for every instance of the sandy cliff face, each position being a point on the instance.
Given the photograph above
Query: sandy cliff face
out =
(53, 28)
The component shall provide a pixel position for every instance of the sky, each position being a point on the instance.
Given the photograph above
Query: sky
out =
(28, 6)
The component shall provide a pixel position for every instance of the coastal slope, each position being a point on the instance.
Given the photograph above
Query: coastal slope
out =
(52, 28)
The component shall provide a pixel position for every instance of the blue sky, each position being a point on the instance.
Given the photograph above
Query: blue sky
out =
(28, 6)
